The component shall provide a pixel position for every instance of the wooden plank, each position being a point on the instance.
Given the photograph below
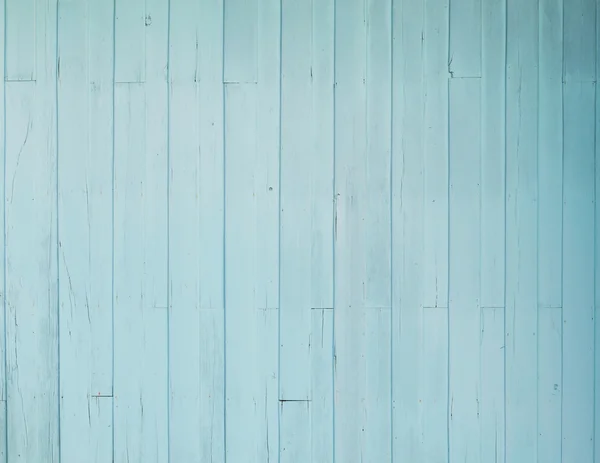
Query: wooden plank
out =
(251, 430)
(85, 230)
(241, 41)
(549, 388)
(491, 405)
(31, 254)
(362, 278)
(492, 216)
(140, 385)
(465, 52)
(419, 282)
(3, 340)
(132, 17)
(464, 266)
(579, 41)
(550, 154)
(521, 231)
(22, 38)
(578, 272)
(322, 149)
(295, 430)
(196, 234)
(322, 398)
(493, 159)
(435, 156)
(296, 210)
(550, 216)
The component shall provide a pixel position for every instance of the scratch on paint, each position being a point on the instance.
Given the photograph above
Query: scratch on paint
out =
(12, 191)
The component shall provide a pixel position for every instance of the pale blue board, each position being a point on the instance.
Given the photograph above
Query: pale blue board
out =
(464, 314)
(85, 229)
(521, 322)
(362, 362)
(196, 330)
(21, 22)
(31, 307)
(141, 312)
(578, 272)
(419, 179)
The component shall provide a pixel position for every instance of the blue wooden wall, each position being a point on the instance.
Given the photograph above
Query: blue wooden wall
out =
(300, 231)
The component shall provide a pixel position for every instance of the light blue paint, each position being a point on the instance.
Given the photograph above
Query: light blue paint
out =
(271, 230)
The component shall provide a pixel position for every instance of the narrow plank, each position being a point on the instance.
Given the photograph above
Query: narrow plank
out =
(465, 277)
(131, 20)
(322, 398)
(492, 266)
(465, 52)
(241, 41)
(31, 298)
(549, 388)
(435, 157)
(3, 424)
(493, 146)
(295, 218)
(579, 38)
(31, 251)
(196, 234)
(85, 229)
(521, 350)
(409, 356)
(252, 404)
(362, 297)
(492, 385)
(3, 351)
(322, 157)
(550, 154)
(266, 175)
(578, 272)
(376, 212)
(140, 305)
(20, 27)
(434, 383)
(550, 216)
(295, 418)
(597, 267)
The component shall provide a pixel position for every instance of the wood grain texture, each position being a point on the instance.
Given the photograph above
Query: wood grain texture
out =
(327, 231)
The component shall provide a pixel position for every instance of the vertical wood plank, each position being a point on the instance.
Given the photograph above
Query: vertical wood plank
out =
(597, 262)
(435, 158)
(493, 160)
(141, 260)
(419, 286)
(31, 252)
(252, 378)
(362, 293)
(465, 277)
(550, 216)
(549, 387)
(521, 352)
(295, 432)
(242, 41)
(464, 58)
(579, 41)
(492, 385)
(322, 147)
(550, 154)
(322, 397)
(22, 33)
(295, 216)
(578, 272)
(3, 340)
(132, 17)
(196, 233)
(492, 267)
(85, 229)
